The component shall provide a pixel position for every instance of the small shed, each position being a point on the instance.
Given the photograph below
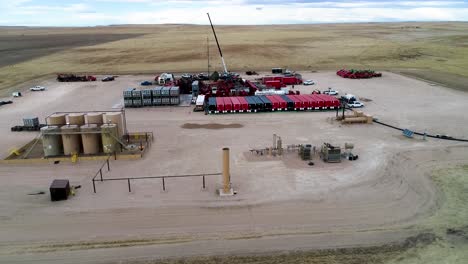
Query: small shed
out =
(59, 190)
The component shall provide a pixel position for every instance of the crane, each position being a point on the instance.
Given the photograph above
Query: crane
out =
(217, 43)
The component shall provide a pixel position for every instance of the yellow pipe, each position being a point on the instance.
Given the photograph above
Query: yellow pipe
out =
(226, 172)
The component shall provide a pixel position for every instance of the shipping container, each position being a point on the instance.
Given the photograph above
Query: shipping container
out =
(175, 91)
(227, 105)
(274, 103)
(219, 105)
(128, 102)
(305, 102)
(157, 91)
(330, 101)
(236, 106)
(136, 94)
(289, 102)
(165, 100)
(268, 106)
(212, 105)
(128, 93)
(146, 93)
(147, 102)
(137, 102)
(244, 106)
(165, 91)
(175, 100)
(157, 101)
(31, 121)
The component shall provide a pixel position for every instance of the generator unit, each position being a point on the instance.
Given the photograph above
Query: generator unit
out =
(330, 153)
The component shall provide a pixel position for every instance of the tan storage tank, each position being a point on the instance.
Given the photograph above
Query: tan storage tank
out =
(115, 118)
(91, 141)
(56, 120)
(51, 143)
(71, 142)
(109, 141)
(76, 119)
(94, 118)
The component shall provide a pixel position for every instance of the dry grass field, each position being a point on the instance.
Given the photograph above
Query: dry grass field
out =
(432, 51)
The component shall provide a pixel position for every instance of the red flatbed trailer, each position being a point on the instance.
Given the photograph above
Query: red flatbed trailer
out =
(267, 79)
(219, 105)
(275, 105)
(227, 104)
(236, 106)
(283, 105)
(244, 105)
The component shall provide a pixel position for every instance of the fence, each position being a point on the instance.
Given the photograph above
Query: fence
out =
(129, 179)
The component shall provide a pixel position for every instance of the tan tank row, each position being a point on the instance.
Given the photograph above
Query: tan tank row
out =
(76, 119)
(94, 118)
(56, 120)
(88, 139)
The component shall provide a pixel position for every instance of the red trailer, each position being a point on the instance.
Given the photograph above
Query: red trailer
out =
(227, 104)
(244, 106)
(291, 80)
(320, 103)
(305, 102)
(219, 105)
(315, 105)
(275, 84)
(297, 102)
(275, 105)
(310, 101)
(283, 105)
(330, 101)
(236, 107)
(267, 79)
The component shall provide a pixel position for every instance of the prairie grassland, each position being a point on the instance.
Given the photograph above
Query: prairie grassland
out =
(418, 49)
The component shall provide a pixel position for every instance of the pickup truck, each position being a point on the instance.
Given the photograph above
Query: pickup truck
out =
(355, 104)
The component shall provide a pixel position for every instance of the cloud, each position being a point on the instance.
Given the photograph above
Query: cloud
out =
(241, 12)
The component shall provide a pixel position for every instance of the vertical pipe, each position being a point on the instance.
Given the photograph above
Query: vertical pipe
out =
(129, 189)
(226, 171)
(274, 141)
(100, 172)
(164, 184)
(108, 166)
(94, 186)
(203, 182)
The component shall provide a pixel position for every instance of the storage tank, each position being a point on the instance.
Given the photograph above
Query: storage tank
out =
(109, 141)
(51, 143)
(115, 118)
(94, 118)
(76, 119)
(91, 142)
(71, 142)
(56, 120)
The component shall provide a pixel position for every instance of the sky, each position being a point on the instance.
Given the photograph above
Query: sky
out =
(234, 12)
